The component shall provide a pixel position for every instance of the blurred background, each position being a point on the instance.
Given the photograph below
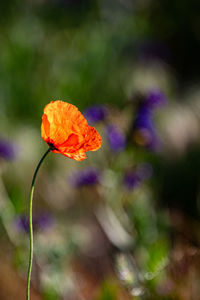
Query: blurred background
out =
(125, 223)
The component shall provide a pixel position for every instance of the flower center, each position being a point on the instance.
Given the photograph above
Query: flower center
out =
(51, 145)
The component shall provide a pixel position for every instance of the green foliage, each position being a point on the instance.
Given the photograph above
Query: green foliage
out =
(108, 291)
(157, 258)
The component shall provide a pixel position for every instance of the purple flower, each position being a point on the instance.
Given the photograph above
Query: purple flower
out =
(86, 177)
(134, 177)
(131, 179)
(7, 150)
(41, 221)
(22, 223)
(116, 138)
(144, 130)
(96, 113)
(155, 98)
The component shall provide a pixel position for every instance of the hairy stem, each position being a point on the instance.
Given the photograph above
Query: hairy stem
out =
(31, 225)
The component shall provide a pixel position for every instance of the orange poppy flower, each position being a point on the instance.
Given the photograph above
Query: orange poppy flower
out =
(67, 132)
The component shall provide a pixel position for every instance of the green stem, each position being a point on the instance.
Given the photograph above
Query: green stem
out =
(31, 225)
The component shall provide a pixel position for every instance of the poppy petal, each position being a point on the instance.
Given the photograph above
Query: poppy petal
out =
(92, 140)
(66, 130)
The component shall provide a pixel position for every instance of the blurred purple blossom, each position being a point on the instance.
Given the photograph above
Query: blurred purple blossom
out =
(44, 220)
(116, 138)
(155, 98)
(134, 177)
(131, 179)
(85, 177)
(40, 222)
(7, 149)
(22, 223)
(95, 113)
(144, 130)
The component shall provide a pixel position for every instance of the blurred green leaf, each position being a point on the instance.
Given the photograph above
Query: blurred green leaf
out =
(108, 291)
(157, 258)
